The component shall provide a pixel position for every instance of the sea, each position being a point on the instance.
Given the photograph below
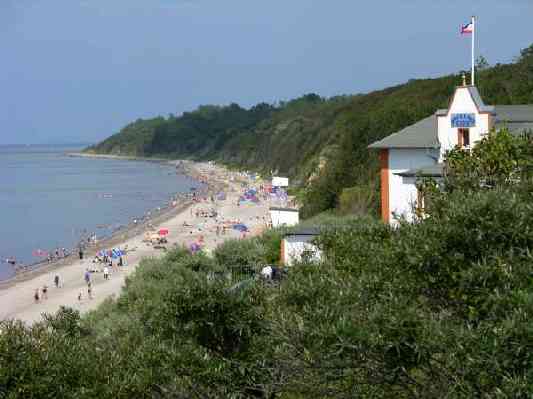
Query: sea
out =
(50, 200)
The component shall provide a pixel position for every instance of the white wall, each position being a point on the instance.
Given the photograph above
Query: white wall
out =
(402, 190)
(461, 103)
(295, 245)
(280, 181)
(281, 218)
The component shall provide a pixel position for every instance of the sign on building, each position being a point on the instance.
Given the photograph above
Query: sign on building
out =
(463, 120)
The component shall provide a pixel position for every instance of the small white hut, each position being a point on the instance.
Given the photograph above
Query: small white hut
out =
(298, 245)
(284, 216)
(280, 181)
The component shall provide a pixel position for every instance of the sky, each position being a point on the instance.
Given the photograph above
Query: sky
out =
(78, 70)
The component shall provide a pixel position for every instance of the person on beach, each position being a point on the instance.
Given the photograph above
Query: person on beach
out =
(45, 292)
(90, 291)
(87, 276)
(36, 295)
(79, 296)
(112, 265)
(106, 273)
(81, 253)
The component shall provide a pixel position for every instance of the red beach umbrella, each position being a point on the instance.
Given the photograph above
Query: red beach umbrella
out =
(163, 232)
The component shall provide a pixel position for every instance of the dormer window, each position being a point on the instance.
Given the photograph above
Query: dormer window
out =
(463, 137)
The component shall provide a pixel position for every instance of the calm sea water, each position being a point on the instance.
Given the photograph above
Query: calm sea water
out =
(50, 200)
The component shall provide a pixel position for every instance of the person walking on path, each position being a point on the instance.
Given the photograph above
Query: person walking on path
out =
(87, 276)
(106, 273)
(45, 292)
(36, 295)
(56, 280)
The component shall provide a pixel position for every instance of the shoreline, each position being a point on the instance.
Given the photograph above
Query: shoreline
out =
(121, 157)
(159, 215)
(189, 224)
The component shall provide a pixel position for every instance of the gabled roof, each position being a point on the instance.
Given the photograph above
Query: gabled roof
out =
(304, 231)
(517, 118)
(423, 134)
(474, 93)
(514, 113)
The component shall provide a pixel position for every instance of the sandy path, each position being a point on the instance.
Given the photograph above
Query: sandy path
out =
(17, 301)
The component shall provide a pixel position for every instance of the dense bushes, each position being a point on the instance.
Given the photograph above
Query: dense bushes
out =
(439, 308)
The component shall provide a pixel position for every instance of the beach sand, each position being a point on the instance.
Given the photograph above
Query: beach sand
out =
(17, 301)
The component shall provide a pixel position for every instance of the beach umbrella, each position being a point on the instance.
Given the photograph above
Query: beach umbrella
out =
(116, 253)
(39, 252)
(240, 227)
(163, 231)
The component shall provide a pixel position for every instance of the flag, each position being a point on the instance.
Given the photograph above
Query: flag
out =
(468, 28)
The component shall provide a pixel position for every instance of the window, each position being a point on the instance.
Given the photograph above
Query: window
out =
(463, 137)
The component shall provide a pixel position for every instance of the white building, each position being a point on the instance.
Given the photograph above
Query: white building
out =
(284, 216)
(278, 181)
(419, 149)
(299, 245)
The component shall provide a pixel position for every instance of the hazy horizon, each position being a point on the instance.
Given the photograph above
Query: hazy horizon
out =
(78, 70)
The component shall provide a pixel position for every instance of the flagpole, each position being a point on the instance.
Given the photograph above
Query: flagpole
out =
(473, 49)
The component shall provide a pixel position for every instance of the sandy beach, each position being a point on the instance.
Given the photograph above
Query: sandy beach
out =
(185, 228)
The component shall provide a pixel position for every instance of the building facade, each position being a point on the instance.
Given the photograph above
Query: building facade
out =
(287, 217)
(419, 150)
(299, 245)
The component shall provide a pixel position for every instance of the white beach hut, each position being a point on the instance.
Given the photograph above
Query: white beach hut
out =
(284, 216)
(298, 245)
(280, 181)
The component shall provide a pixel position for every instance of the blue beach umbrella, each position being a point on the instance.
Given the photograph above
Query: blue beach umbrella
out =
(240, 227)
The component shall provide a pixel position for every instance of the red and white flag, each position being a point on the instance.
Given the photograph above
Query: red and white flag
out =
(468, 28)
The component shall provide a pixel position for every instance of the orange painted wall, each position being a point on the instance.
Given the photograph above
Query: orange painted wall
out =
(384, 175)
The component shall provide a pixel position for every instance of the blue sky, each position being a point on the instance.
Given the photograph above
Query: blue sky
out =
(79, 70)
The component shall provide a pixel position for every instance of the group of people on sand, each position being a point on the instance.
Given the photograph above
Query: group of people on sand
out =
(42, 293)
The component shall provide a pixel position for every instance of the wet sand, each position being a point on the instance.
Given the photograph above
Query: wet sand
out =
(16, 299)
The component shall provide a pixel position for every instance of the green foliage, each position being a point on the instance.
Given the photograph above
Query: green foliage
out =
(438, 308)
(359, 200)
(291, 137)
(500, 159)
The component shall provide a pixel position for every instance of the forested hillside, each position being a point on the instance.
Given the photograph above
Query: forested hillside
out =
(292, 137)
